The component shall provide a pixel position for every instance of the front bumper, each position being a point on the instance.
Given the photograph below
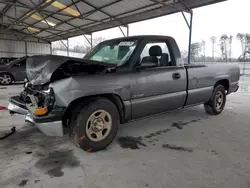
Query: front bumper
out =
(53, 128)
(16, 109)
(50, 125)
(17, 106)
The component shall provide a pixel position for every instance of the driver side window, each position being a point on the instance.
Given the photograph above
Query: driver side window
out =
(156, 54)
(20, 64)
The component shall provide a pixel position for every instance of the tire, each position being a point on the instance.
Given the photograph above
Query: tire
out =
(217, 102)
(94, 125)
(6, 79)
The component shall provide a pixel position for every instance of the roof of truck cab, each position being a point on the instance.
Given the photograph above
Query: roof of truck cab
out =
(141, 37)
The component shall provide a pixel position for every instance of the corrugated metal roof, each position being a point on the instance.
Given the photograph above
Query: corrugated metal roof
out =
(51, 20)
(79, 22)
(99, 3)
(125, 6)
(83, 7)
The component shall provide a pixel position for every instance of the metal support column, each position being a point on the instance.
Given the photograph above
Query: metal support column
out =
(68, 47)
(91, 41)
(122, 31)
(127, 30)
(190, 26)
(190, 36)
(26, 48)
(51, 49)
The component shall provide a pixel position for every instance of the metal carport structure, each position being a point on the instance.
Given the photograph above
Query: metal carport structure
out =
(45, 21)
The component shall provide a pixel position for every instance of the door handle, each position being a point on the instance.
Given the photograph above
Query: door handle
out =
(176, 76)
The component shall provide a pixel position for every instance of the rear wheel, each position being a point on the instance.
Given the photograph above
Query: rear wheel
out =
(95, 125)
(6, 78)
(217, 102)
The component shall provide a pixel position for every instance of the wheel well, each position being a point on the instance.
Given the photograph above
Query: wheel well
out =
(7, 73)
(224, 83)
(85, 100)
(13, 78)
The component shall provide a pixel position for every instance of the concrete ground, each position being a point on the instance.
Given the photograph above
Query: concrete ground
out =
(198, 151)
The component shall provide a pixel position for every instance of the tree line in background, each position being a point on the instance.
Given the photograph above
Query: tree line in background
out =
(79, 48)
(198, 49)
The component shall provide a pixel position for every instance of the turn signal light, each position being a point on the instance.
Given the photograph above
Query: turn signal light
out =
(40, 111)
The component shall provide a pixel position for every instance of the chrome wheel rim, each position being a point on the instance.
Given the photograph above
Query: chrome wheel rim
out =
(219, 100)
(5, 79)
(99, 125)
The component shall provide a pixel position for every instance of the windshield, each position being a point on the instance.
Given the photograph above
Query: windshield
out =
(11, 62)
(15, 60)
(116, 52)
(6, 61)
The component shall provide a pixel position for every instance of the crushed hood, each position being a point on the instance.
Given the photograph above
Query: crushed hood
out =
(40, 68)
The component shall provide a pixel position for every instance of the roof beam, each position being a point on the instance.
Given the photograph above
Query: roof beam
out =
(14, 3)
(83, 16)
(89, 28)
(21, 34)
(41, 30)
(51, 15)
(5, 9)
(116, 15)
(54, 13)
(185, 5)
(100, 8)
(168, 4)
(159, 8)
(46, 15)
(24, 24)
(42, 15)
(109, 15)
(27, 14)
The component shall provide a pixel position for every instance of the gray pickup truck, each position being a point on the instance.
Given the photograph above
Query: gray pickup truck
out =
(118, 81)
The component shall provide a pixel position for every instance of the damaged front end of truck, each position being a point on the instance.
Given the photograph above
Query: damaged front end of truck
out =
(38, 101)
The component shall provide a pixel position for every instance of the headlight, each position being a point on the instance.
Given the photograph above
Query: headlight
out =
(40, 111)
(46, 102)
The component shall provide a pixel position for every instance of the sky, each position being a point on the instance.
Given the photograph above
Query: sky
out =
(230, 17)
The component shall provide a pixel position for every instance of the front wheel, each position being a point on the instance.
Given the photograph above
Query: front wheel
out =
(95, 126)
(217, 102)
(5, 79)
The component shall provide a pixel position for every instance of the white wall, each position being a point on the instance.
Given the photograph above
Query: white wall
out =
(12, 48)
(37, 48)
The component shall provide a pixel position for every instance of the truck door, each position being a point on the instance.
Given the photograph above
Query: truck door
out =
(158, 86)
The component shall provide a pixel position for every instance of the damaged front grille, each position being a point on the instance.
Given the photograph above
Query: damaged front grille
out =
(39, 99)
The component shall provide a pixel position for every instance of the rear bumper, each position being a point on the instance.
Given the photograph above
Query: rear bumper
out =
(52, 128)
(234, 86)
